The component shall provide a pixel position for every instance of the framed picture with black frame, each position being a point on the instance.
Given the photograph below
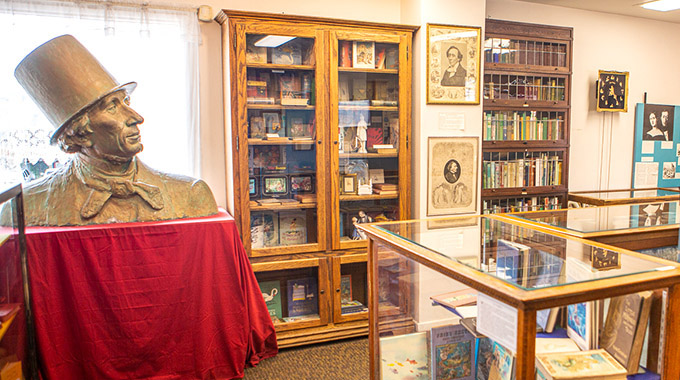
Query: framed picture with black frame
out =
(253, 188)
(303, 183)
(275, 186)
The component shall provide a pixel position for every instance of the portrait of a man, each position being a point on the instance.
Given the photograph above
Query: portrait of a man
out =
(452, 175)
(104, 181)
(455, 73)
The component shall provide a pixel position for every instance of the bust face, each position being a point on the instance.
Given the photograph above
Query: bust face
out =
(115, 128)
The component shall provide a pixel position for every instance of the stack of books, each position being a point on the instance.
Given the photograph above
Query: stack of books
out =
(348, 307)
(385, 188)
(306, 198)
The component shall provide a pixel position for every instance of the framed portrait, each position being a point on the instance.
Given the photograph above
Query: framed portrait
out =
(348, 184)
(452, 175)
(453, 64)
(301, 184)
(612, 91)
(658, 122)
(252, 186)
(275, 186)
(363, 54)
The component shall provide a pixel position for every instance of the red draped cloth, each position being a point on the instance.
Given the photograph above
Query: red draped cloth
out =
(162, 300)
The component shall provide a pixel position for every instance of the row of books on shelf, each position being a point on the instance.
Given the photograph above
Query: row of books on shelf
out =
(301, 296)
(522, 52)
(493, 206)
(536, 171)
(289, 125)
(368, 55)
(293, 89)
(299, 51)
(271, 229)
(570, 353)
(527, 125)
(525, 89)
(358, 91)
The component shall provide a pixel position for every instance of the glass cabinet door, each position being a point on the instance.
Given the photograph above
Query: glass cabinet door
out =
(283, 136)
(366, 121)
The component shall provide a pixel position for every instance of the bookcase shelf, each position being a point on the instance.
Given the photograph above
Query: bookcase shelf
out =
(525, 127)
(352, 82)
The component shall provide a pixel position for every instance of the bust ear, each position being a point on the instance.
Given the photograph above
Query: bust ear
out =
(76, 135)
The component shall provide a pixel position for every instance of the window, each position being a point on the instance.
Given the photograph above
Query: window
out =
(157, 48)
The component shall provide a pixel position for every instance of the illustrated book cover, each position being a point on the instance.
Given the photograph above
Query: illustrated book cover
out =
(580, 365)
(271, 292)
(511, 261)
(484, 358)
(302, 297)
(452, 353)
(624, 329)
(503, 365)
(292, 228)
(405, 357)
(457, 298)
(553, 345)
(287, 54)
(346, 287)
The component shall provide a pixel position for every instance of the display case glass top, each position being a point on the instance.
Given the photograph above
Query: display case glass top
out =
(622, 196)
(606, 220)
(519, 255)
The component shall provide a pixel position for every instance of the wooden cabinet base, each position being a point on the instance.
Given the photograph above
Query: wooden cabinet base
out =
(293, 338)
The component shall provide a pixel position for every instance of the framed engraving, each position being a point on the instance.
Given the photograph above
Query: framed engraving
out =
(453, 64)
(348, 184)
(452, 175)
(363, 54)
(612, 91)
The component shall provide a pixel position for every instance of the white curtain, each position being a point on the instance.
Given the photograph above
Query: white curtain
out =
(155, 46)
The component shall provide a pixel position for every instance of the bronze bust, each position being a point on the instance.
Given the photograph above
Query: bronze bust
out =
(104, 181)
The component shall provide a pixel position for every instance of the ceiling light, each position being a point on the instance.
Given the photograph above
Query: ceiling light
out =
(662, 5)
(272, 41)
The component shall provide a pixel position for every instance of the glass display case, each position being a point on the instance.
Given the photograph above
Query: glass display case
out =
(516, 273)
(17, 332)
(622, 196)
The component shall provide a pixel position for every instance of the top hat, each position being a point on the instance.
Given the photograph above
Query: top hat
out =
(64, 79)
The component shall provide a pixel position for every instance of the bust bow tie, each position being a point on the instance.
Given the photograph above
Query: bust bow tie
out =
(103, 186)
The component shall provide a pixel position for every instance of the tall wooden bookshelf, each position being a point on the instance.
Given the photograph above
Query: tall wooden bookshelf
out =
(525, 131)
(320, 129)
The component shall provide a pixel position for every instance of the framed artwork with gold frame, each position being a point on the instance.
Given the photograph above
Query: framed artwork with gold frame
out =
(612, 91)
(453, 64)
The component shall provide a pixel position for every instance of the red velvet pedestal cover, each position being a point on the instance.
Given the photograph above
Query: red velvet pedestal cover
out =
(164, 300)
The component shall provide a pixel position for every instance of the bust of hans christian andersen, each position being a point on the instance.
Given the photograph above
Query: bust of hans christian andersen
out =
(104, 181)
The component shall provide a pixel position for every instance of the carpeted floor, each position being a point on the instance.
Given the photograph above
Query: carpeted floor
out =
(339, 360)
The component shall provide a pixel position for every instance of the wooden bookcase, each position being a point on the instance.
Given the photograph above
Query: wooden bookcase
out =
(320, 134)
(525, 130)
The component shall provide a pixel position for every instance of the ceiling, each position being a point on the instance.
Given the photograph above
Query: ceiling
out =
(621, 7)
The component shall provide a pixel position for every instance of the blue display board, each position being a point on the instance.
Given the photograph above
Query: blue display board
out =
(657, 136)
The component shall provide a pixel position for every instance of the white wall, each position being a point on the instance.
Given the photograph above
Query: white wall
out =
(643, 47)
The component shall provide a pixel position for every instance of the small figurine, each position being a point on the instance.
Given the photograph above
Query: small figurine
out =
(362, 127)
(357, 234)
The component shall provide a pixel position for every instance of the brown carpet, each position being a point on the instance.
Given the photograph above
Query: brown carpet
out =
(339, 360)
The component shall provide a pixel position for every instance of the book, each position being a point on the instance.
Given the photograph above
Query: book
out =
(385, 186)
(484, 358)
(346, 288)
(377, 176)
(363, 54)
(380, 57)
(264, 229)
(503, 365)
(591, 364)
(392, 58)
(457, 298)
(257, 128)
(552, 345)
(374, 136)
(405, 356)
(288, 53)
(385, 192)
(345, 54)
(582, 319)
(306, 198)
(302, 297)
(292, 228)
(625, 327)
(300, 318)
(359, 91)
(271, 292)
(255, 54)
(352, 306)
(452, 353)
(470, 324)
(384, 103)
(510, 260)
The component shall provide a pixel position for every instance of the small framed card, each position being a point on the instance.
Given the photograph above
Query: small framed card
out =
(376, 175)
(275, 186)
(348, 184)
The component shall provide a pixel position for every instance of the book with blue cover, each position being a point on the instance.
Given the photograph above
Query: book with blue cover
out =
(302, 297)
(453, 353)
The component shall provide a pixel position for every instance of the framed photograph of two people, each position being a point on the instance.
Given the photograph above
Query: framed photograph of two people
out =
(453, 64)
